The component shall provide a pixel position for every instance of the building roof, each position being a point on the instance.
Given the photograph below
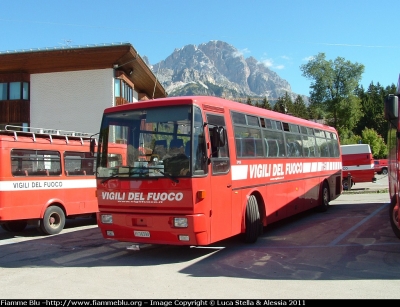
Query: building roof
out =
(72, 58)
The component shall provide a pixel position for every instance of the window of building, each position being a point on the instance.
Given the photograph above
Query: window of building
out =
(123, 90)
(117, 88)
(25, 90)
(3, 91)
(14, 91)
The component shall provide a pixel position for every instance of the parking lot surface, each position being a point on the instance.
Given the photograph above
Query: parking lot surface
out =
(349, 251)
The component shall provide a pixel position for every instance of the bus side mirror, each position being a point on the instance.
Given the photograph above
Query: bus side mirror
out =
(391, 109)
(92, 146)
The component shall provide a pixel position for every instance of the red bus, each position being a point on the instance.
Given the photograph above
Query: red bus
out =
(392, 116)
(45, 176)
(358, 164)
(213, 168)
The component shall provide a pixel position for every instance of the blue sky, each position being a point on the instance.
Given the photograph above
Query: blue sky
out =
(283, 34)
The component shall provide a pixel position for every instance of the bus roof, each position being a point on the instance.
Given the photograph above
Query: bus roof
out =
(216, 103)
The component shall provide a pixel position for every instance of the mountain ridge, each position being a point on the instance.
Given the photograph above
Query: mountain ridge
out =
(217, 68)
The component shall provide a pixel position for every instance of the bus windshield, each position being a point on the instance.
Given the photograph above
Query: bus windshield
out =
(158, 141)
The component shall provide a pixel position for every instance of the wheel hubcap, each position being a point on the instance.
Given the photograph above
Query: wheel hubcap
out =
(54, 220)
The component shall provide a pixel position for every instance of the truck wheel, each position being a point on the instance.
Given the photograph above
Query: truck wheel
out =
(253, 223)
(53, 221)
(323, 198)
(394, 218)
(345, 184)
(384, 171)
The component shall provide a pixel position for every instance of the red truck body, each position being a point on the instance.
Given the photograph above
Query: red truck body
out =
(358, 163)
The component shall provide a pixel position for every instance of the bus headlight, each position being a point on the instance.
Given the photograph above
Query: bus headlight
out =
(180, 222)
(106, 219)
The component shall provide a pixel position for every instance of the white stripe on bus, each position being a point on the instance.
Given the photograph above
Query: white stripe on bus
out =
(239, 172)
(263, 170)
(30, 185)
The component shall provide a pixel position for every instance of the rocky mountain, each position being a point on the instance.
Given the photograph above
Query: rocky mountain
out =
(218, 69)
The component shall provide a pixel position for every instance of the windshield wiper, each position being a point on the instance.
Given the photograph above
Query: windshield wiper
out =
(142, 174)
(170, 177)
(108, 178)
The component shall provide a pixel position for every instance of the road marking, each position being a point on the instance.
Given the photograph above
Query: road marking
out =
(343, 235)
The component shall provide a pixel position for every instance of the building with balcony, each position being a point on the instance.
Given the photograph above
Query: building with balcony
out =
(68, 88)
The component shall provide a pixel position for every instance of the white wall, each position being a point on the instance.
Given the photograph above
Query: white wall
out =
(71, 100)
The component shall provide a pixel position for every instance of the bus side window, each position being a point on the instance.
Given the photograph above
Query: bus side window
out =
(266, 147)
(273, 148)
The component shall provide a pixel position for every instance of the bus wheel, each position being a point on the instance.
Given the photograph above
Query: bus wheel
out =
(53, 221)
(394, 218)
(14, 226)
(252, 220)
(323, 198)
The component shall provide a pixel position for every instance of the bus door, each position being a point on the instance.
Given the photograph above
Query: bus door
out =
(221, 181)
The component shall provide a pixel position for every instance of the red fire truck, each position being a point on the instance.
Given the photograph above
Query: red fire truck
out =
(358, 164)
(47, 175)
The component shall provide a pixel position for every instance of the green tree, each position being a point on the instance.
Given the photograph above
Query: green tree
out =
(288, 103)
(372, 102)
(348, 137)
(265, 104)
(300, 108)
(368, 136)
(284, 104)
(334, 88)
(280, 106)
(315, 110)
(376, 142)
(249, 101)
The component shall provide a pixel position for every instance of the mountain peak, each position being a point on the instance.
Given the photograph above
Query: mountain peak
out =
(217, 68)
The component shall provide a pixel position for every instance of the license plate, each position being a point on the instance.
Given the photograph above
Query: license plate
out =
(142, 234)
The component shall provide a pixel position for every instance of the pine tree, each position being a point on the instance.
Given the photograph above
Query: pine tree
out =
(280, 106)
(265, 104)
(300, 108)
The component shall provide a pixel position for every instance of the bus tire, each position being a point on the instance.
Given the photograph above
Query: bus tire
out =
(53, 221)
(14, 226)
(252, 220)
(323, 198)
(394, 217)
